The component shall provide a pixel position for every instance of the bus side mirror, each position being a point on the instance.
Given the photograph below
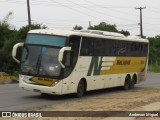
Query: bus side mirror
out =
(14, 51)
(61, 53)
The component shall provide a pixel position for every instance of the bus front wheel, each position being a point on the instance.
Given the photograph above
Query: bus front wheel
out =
(80, 89)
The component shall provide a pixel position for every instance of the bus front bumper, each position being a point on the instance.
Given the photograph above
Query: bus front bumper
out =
(56, 90)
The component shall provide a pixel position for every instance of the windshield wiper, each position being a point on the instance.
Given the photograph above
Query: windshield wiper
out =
(38, 64)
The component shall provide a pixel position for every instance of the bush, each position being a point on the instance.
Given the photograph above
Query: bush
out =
(154, 68)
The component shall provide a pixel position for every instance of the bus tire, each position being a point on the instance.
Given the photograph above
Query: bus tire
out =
(133, 81)
(45, 95)
(80, 89)
(127, 83)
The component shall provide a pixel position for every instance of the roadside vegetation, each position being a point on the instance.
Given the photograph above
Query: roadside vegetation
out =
(10, 36)
(154, 68)
(154, 54)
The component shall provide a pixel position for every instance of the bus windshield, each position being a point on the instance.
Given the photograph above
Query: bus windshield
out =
(57, 41)
(40, 55)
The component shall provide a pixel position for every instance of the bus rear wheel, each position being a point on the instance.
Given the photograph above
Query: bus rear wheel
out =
(80, 89)
(133, 81)
(127, 83)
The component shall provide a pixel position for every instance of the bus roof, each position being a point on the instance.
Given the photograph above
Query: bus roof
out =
(89, 33)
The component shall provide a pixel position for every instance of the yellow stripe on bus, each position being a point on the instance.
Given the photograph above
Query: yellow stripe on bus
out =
(125, 65)
(44, 81)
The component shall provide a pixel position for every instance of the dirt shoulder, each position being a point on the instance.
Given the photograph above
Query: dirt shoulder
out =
(6, 78)
(108, 100)
(105, 100)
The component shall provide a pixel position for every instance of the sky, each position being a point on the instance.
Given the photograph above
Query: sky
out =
(65, 14)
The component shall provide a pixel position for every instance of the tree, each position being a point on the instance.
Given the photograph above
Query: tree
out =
(104, 27)
(22, 33)
(154, 48)
(107, 27)
(8, 38)
(77, 27)
(126, 33)
(5, 28)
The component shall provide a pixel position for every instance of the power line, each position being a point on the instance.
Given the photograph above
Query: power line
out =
(84, 13)
(106, 6)
(113, 8)
(76, 9)
(100, 12)
(154, 11)
(69, 5)
(34, 2)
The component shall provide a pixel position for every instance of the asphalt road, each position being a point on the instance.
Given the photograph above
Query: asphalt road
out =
(153, 80)
(12, 98)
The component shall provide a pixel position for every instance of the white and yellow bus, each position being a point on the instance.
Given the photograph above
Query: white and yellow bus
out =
(63, 62)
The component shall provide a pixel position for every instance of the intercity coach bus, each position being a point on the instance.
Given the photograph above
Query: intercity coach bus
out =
(63, 62)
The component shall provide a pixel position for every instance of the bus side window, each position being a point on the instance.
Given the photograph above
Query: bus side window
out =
(145, 49)
(99, 48)
(115, 50)
(108, 48)
(111, 47)
(121, 49)
(74, 43)
(86, 47)
(133, 49)
(71, 57)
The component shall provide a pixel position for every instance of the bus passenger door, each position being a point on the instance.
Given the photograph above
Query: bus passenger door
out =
(70, 62)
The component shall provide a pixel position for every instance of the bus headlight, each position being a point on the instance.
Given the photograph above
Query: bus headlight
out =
(55, 83)
(24, 78)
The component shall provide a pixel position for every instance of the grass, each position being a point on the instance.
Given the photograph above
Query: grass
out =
(154, 68)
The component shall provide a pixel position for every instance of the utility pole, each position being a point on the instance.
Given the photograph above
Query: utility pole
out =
(141, 25)
(90, 24)
(29, 15)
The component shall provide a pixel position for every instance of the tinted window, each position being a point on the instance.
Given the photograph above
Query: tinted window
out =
(87, 46)
(110, 47)
(120, 48)
(137, 49)
(39, 39)
(99, 47)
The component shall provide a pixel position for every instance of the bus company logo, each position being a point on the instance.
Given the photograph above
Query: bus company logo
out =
(6, 114)
(123, 62)
(98, 64)
(95, 66)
